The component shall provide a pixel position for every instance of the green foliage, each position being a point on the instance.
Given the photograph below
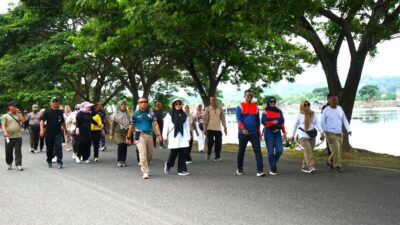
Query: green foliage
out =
(320, 93)
(368, 92)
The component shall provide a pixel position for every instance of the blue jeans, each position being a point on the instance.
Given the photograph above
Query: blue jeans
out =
(255, 142)
(54, 147)
(273, 141)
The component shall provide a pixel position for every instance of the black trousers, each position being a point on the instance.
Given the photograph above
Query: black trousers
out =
(41, 143)
(14, 144)
(75, 143)
(214, 137)
(155, 140)
(54, 147)
(181, 154)
(122, 151)
(137, 153)
(34, 136)
(84, 149)
(189, 150)
(96, 136)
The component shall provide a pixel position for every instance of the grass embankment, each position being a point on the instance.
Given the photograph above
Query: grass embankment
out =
(356, 157)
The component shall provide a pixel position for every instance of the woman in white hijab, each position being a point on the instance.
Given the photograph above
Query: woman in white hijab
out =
(199, 119)
(119, 131)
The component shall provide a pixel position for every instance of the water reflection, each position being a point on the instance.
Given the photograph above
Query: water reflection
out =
(376, 115)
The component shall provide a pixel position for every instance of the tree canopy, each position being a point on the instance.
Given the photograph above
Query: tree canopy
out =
(100, 50)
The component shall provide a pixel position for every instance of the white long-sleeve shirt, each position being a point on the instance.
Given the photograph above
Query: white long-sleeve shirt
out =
(300, 123)
(333, 119)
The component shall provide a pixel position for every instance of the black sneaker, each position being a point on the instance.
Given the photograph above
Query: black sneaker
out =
(49, 164)
(330, 166)
(339, 169)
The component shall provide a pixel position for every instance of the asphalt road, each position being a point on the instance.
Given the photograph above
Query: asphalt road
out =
(101, 193)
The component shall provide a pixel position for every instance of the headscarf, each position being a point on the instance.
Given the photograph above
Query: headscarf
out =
(199, 112)
(308, 115)
(121, 117)
(178, 118)
(85, 107)
(272, 108)
(67, 110)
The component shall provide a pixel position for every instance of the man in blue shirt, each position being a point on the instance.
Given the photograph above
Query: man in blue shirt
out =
(142, 123)
(248, 119)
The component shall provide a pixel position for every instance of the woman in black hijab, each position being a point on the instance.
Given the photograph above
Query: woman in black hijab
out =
(177, 131)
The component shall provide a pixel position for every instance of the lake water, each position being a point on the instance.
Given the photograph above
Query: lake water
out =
(376, 130)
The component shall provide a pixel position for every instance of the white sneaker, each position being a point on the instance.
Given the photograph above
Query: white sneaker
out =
(54, 160)
(36, 151)
(77, 160)
(119, 164)
(103, 148)
(87, 161)
(183, 174)
(239, 172)
(139, 163)
(166, 169)
(96, 159)
(146, 176)
(273, 173)
(19, 168)
(73, 155)
(189, 162)
(261, 174)
(304, 170)
(68, 149)
(9, 167)
(312, 171)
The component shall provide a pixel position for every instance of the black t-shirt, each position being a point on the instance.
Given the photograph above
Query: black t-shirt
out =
(54, 119)
(159, 115)
(83, 122)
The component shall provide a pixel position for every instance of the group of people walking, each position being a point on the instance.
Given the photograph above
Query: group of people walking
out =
(87, 125)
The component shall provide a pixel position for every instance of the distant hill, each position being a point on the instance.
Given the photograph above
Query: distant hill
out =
(385, 84)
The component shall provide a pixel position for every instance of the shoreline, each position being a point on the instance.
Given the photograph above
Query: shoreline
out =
(354, 157)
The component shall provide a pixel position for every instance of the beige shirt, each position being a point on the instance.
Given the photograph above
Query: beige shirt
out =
(13, 127)
(213, 117)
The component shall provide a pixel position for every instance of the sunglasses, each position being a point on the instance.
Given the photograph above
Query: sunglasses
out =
(76, 108)
(306, 104)
(143, 102)
(249, 95)
(272, 101)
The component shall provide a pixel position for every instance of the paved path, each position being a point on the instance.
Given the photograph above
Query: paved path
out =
(101, 193)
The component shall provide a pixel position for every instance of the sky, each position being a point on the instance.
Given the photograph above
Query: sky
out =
(384, 64)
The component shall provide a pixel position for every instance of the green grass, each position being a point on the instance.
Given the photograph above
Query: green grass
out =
(358, 157)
